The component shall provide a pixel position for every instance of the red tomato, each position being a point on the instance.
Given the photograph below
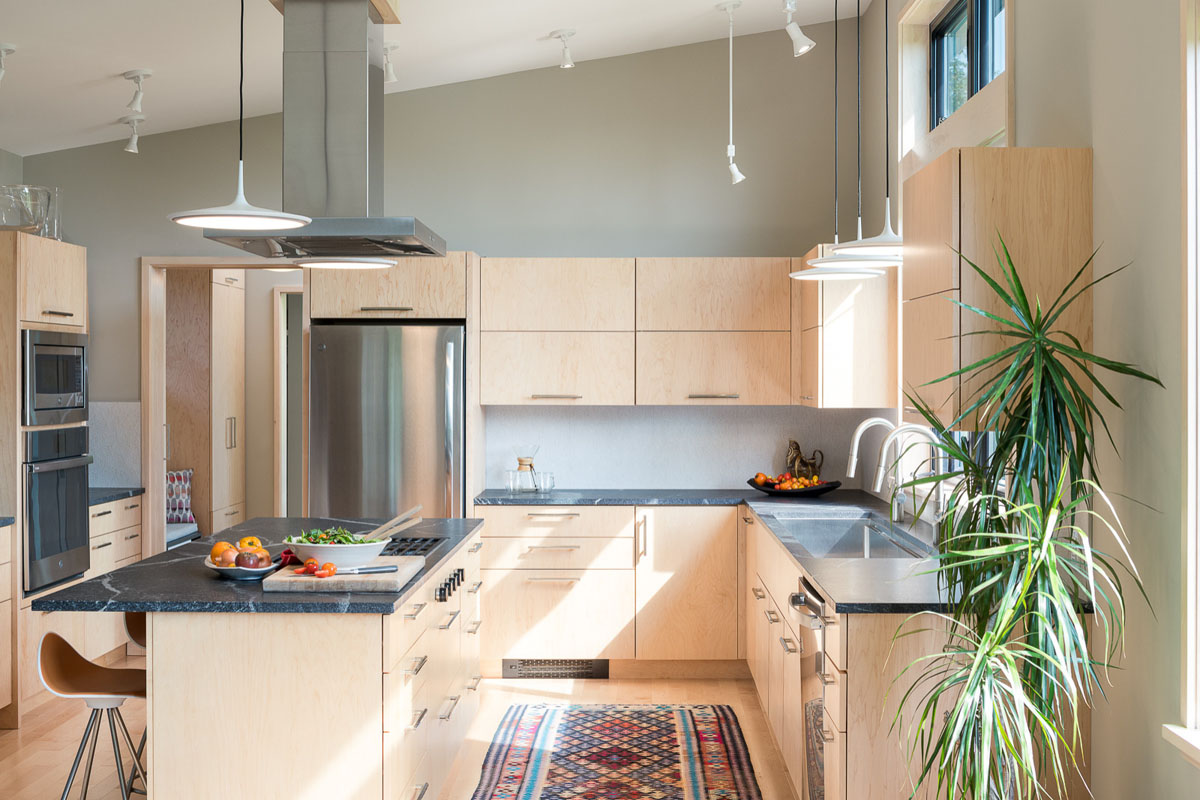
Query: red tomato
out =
(321, 573)
(300, 570)
(311, 565)
(329, 567)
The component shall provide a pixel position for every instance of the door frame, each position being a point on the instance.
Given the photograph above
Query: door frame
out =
(279, 351)
(153, 271)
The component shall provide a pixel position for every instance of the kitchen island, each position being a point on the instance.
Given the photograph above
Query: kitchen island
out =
(303, 695)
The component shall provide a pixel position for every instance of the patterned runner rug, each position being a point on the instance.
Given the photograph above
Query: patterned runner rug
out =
(618, 752)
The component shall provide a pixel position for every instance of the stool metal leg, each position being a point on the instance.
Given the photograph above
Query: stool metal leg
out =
(87, 732)
(112, 730)
(137, 771)
(87, 770)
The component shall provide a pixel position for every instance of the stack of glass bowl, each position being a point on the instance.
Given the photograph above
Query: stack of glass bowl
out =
(30, 209)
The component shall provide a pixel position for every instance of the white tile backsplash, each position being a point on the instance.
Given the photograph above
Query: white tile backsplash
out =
(115, 439)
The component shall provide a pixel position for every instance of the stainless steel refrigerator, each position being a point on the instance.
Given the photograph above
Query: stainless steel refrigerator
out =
(385, 420)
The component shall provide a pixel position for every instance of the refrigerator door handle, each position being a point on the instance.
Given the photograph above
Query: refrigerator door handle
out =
(451, 396)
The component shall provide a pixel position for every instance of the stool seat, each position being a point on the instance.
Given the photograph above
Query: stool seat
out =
(68, 674)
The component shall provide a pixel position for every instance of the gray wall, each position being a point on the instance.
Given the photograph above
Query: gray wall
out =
(11, 168)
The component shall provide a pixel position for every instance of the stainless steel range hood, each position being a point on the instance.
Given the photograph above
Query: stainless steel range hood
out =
(333, 142)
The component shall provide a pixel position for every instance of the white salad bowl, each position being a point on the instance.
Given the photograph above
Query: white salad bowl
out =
(346, 556)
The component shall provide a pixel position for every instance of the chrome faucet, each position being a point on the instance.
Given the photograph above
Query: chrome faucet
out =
(863, 427)
(893, 439)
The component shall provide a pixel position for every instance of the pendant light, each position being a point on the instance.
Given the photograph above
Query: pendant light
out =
(240, 215)
(6, 50)
(839, 267)
(345, 262)
(888, 244)
(735, 174)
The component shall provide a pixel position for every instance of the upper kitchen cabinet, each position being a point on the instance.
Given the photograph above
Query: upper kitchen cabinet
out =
(844, 341)
(591, 368)
(51, 280)
(557, 294)
(1040, 201)
(713, 294)
(713, 368)
(418, 287)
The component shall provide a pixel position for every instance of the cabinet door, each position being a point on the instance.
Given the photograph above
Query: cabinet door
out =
(557, 294)
(687, 583)
(228, 396)
(557, 614)
(713, 294)
(931, 228)
(808, 393)
(593, 369)
(776, 700)
(416, 288)
(235, 278)
(931, 351)
(53, 281)
(223, 518)
(758, 635)
(726, 368)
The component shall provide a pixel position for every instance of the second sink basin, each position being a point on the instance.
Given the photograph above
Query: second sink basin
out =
(864, 537)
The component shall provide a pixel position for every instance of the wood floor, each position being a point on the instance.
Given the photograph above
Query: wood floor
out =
(498, 695)
(34, 760)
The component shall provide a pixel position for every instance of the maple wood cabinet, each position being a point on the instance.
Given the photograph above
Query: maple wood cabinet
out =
(417, 287)
(51, 280)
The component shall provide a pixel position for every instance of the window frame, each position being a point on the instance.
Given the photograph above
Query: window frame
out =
(979, 38)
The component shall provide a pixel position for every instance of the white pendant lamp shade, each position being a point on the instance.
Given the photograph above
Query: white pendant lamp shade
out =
(836, 272)
(349, 262)
(240, 215)
(887, 245)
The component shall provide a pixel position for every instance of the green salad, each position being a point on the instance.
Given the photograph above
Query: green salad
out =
(327, 536)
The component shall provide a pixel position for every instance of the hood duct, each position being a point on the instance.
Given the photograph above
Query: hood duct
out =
(333, 141)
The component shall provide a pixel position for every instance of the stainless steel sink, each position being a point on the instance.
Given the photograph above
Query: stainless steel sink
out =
(861, 537)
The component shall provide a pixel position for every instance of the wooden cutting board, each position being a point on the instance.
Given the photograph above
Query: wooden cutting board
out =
(285, 580)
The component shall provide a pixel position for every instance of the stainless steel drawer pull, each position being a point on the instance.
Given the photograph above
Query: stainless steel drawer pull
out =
(732, 396)
(475, 548)
(475, 587)
(822, 675)
(475, 626)
(231, 280)
(419, 791)
(789, 646)
(758, 593)
(553, 514)
(131, 536)
(416, 612)
(772, 617)
(385, 308)
(450, 623)
(418, 718)
(554, 546)
(101, 546)
(52, 313)
(808, 397)
(132, 507)
(453, 705)
(99, 514)
(231, 513)
(474, 685)
(553, 580)
(418, 664)
(556, 397)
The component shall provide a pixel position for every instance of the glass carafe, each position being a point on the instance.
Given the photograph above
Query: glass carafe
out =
(526, 474)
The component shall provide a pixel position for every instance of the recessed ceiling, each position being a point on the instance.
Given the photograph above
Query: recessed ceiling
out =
(63, 86)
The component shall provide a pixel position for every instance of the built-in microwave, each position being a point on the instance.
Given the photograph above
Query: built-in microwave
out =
(54, 377)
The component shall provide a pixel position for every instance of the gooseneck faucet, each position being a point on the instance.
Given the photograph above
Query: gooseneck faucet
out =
(863, 427)
(893, 439)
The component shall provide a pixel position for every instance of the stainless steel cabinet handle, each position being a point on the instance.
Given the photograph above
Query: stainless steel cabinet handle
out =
(419, 791)
(551, 514)
(758, 593)
(822, 675)
(101, 546)
(772, 617)
(450, 623)
(556, 397)
(732, 396)
(231, 513)
(475, 548)
(475, 587)
(808, 397)
(234, 433)
(453, 705)
(826, 736)
(231, 280)
(554, 546)
(418, 664)
(52, 313)
(789, 646)
(385, 308)
(131, 536)
(99, 514)
(553, 580)
(167, 454)
(132, 507)
(418, 718)
(474, 685)
(475, 626)
(416, 612)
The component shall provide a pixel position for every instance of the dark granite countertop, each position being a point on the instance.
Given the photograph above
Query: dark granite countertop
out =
(98, 495)
(177, 580)
(6, 521)
(619, 497)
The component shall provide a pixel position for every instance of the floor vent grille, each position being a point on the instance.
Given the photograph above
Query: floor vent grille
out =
(555, 668)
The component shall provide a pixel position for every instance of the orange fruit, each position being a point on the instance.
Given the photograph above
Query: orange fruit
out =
(249, 542)
(217, 549)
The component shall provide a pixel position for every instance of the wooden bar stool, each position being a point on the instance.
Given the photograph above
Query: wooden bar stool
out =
(135, 629)
(68, 674)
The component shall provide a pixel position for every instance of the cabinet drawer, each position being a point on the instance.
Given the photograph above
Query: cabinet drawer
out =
(128, 543)
(713, 294)
(230, 277)
(402, 686)
(558, 553)
(6, 554)
(727, 368)
(401, 630)
(557, 614)
(416, 288)
(106, 517)
(594, 369)
(835, 764)
(54, 281)
(835, 640)
(103, 555)
(227, 517)
(580, 522)
(408, 719)
(557, 294)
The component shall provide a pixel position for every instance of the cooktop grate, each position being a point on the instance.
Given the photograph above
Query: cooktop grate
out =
(415, 546)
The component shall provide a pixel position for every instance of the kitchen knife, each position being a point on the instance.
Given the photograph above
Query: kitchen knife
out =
(369, 570)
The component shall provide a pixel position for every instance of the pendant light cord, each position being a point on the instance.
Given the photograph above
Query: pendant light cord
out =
(241, 73)
(887, 110)
(836, 148)
(858, 75)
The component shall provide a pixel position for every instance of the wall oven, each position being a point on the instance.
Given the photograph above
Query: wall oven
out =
(54, 377)
(815, 680)
(56, 506)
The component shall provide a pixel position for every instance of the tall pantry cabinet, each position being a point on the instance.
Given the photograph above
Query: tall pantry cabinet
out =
(205, 391)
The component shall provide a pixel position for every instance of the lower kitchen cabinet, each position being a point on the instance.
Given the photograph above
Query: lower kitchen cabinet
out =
(686, 583)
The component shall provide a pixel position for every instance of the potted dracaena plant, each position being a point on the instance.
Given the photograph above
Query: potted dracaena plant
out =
(995, 714)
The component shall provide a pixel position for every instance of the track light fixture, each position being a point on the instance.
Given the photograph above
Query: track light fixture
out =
(137, 76)
(389, 71)
(735, 174)
(6, 50)
(133, 120)
(563, 35)
(801, 44)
